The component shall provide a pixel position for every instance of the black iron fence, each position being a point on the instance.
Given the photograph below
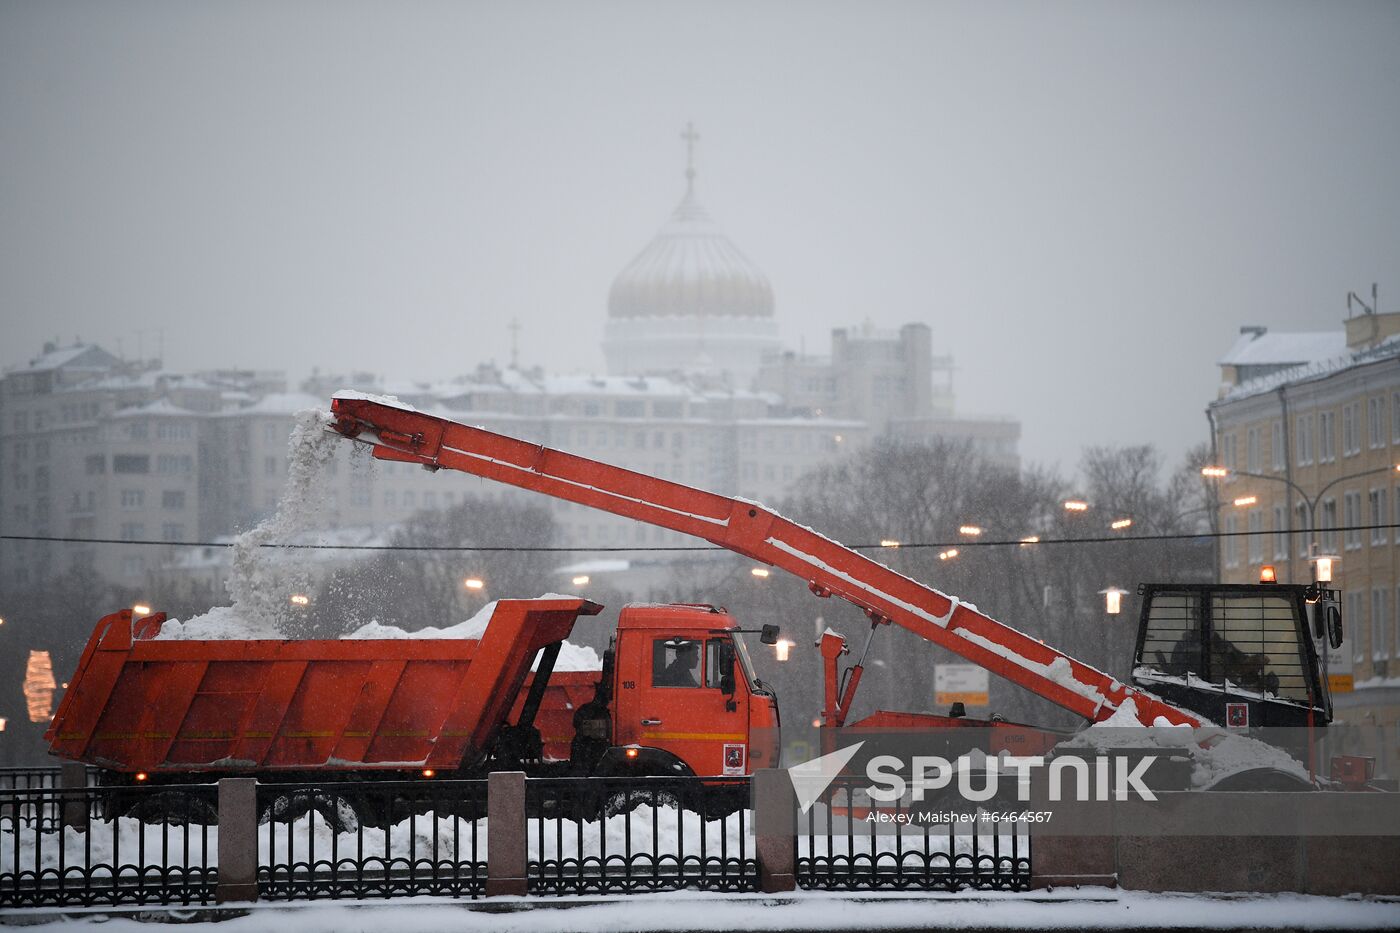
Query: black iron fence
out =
(379, 839)
(639, 834)
(28, 778)
(848, 841)
(88, 846)
(161, 845)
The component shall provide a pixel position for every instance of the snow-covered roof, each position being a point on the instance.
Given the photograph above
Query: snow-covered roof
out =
(1273, 349)
(1386, 349)
(63, 356)
(161, 406)
(280, 403)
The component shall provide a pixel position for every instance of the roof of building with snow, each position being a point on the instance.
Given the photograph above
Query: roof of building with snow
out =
(1312, 371)
(159, 407)
(1254, 348)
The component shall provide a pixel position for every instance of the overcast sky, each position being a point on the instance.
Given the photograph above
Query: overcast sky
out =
(1084, 200)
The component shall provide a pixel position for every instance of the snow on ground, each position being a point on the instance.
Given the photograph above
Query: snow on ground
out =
(660, 830)
(1084, 909)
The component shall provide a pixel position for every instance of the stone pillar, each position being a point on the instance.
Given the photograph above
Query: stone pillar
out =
(238, 840)
(507, 847)
(72, 775)
(775, 830)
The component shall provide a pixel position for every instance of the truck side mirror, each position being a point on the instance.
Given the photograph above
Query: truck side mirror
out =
(726, 668)
(769, 635)
(1334, 625)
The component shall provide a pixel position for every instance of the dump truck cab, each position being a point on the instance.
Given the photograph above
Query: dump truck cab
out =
(684, 695)
(1243, 655)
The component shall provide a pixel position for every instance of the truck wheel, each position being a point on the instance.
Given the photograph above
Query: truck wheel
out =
(620, 803)
(173, 807)
(1262, 779)
(337, 810)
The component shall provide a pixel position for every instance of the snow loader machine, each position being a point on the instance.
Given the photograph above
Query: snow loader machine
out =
(1208, 655)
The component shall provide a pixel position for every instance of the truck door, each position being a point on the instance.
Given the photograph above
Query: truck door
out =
(685, 708)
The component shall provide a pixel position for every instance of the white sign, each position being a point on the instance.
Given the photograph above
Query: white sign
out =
(1339, 668)
(960, 683)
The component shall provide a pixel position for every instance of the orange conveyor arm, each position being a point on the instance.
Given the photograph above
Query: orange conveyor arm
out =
(403, 434)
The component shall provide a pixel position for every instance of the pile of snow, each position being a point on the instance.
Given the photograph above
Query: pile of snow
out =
(222, 623)
(1215, 752)
(571, 657)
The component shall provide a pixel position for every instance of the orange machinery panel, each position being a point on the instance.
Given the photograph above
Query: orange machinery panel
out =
(139, 704)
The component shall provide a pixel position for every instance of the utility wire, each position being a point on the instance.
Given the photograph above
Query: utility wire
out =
(959, 543)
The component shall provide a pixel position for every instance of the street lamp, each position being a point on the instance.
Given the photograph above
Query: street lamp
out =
(1121, 523)
(760, 572)
(972, 531)
(948, 554)
(581, 580)
(472, 583)
(141, 610)
(1113, 600)
(1321, 562)
(1076, 505)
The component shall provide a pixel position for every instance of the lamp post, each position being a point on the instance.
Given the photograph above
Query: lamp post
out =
(1219, 472)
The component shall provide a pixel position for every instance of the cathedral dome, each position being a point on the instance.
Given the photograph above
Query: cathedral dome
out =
(690, 269)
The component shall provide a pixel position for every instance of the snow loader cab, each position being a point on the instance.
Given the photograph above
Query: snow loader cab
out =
(1243, 655)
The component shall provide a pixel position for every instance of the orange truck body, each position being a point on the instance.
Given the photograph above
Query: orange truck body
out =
(154, 709)
(139, 704)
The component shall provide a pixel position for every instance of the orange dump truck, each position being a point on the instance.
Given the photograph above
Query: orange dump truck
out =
(676, 695)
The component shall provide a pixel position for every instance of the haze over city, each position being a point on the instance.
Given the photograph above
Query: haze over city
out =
(1085, 201)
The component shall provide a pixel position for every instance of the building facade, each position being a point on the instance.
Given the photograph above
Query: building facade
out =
(1319, 431)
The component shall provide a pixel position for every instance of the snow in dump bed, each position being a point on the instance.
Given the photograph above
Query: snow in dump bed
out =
(571, 657)
(1215, 752)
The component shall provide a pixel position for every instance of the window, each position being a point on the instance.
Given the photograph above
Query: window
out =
(1256, 537)
(1379, 616)
(715, 656)
(1329, 526)
(1276, 446)
(1280, 533)
(1379, 513)
(1300, 529)
(133, 498)
(96, 464)
(1251, 448)
(1253, 645)
(1305, 439)
(1230, 543)
(172, 531)
(629, 408)
(172, 499)
(1351, 435)
(1375, 422)
(1395, 418)
(1326, 436)
(269, 466)
(1351, 517)
(133, 531)
(131, 463)
(675, 662)
(1227, 451)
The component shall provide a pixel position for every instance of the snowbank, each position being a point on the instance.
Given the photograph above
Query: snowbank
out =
(1215, 752)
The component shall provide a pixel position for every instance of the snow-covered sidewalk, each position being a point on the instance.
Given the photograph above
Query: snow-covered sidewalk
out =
(1088, 908)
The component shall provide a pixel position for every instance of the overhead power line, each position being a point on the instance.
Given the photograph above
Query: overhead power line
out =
(959, 543)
